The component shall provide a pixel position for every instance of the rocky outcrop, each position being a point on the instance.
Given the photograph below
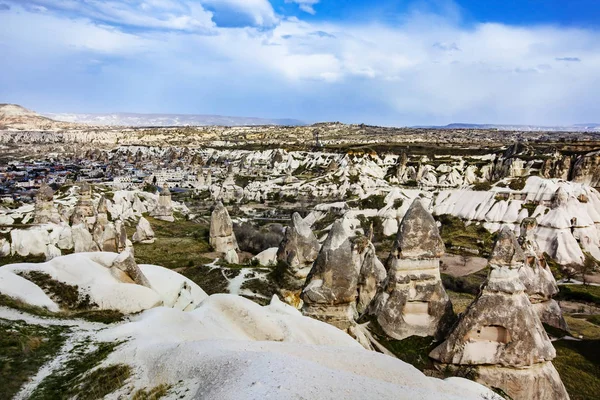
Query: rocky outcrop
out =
(343, 279)
(104, 233)
(84, 209)
(83, 241)
(164, 207)
(586, 169)
(537, 278)
(222, 237)
(298, 250)
(45, 212)
(412, 300)
(126, 269)
(331, 286)
(500, 336)
(143, 232)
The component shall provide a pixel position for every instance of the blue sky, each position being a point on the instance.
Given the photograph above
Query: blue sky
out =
(390, 62)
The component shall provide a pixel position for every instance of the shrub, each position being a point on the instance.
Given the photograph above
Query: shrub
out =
(255, 240)
(482, 186)
(517, 184)
(376, 201)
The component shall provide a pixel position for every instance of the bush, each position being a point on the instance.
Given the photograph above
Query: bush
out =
(517, 184)
(255, 240)
(376, 201)
(482, 186)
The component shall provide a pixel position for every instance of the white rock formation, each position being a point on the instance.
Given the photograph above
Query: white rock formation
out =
(298, 250)
(412, 300)
(222, 238)
(500, 335)
(164, 208)
(143, 232)
(93, 274)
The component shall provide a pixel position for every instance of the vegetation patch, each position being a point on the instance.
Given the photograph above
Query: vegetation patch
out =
(211, 280)
(102, 316)
(374, 201)
(24, 348)
(469, 284)
(460, 301)
(582, 328)
(67, 296)
(157, 392)
(482, 186)
(585, 293)
(460, 238)
(518, 183)
(103, 381)
(578, 363)
(17, 259)
(71, 380)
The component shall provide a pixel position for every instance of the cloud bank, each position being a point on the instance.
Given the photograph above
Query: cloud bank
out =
(240, 57)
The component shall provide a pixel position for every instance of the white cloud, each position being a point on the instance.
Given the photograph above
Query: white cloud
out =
(427, 70)
(261, 11)
(305, 5)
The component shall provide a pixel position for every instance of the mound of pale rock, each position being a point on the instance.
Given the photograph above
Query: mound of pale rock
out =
(232, 348)
(109, 281)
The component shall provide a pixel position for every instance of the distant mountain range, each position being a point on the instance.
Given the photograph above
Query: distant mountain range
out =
(13, 116)
(591, 127)
(140, 120)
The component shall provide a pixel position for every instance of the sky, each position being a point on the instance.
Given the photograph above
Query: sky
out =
(385, 62)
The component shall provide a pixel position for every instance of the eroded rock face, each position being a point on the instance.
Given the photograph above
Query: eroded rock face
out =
(164, 208)
(125, 263)
(84, 210)
(412, 300)
(83, 240)
(143, 232)
(298, 249)
(222, 237)
(104, 232)
(537, 278)
(45, 211)
(500, 334)
(344, 277)
(418, 235)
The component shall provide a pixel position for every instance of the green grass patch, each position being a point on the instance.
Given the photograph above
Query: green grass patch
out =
(102, 316)
(211, 280)
(65, 295)
(585, 293)
(460, 301)
(103, 381)
(17, 259)
(157, 392)
(470, 284)
(482, 186)
(24, 348)
(581, 327)
(578, 363)
(457, 236)
(73, 378)
(376, 201)
(178, 244)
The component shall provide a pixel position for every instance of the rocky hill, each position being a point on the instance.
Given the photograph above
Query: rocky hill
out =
(15, 117)
(155, 120)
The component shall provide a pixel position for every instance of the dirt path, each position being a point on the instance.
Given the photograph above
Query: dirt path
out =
(455, 265)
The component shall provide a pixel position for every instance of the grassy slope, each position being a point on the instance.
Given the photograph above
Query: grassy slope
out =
(24, 348)
(177, 245)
